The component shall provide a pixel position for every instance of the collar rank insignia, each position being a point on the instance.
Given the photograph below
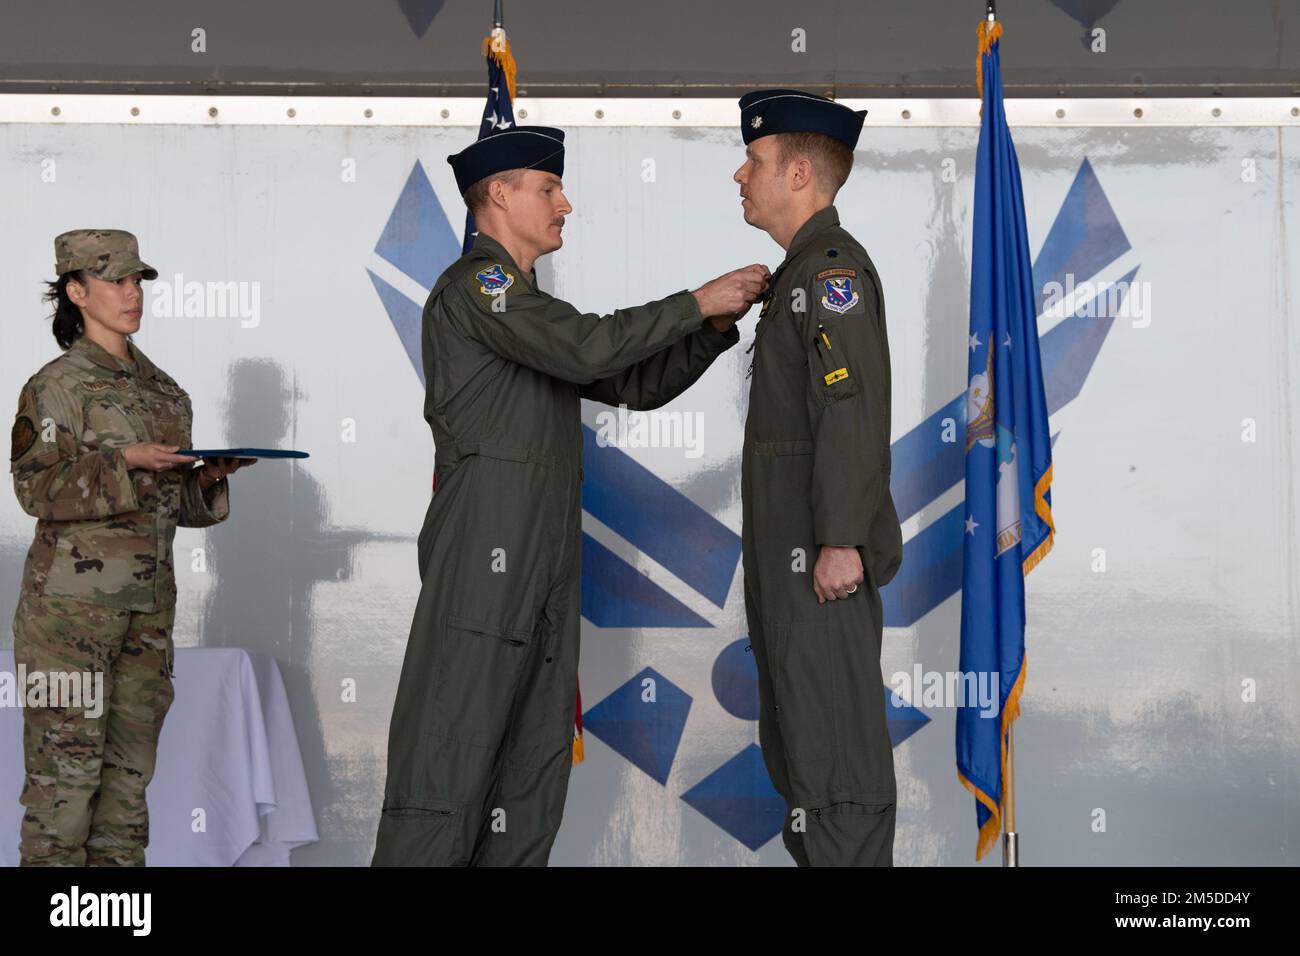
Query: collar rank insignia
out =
(494, 280)
(756, 122)
(840, 295)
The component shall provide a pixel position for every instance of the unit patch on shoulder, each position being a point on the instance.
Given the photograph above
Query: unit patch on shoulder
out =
(494, 280)
(21, 438)
(840, 295)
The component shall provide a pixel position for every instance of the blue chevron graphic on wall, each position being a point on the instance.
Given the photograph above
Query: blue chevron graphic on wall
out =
(419, 241)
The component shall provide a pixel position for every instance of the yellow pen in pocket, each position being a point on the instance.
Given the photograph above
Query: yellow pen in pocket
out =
(829, 376)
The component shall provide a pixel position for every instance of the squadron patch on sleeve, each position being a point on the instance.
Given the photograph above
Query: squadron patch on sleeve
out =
(494, 280)
(840, 295)
(22, 437)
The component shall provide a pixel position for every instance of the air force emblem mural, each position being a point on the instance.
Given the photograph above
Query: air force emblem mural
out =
(654, 518)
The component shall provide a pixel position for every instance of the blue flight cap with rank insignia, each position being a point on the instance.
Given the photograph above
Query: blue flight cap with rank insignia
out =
(764, 112)
(523, 147)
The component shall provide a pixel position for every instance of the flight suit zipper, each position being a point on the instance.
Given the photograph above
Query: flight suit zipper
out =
(758, 331)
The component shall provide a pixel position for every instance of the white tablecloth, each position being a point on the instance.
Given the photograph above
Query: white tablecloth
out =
(227, 748)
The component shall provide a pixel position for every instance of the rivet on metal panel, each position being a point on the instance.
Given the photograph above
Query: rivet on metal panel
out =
(523, 114)
(1295, 111)
(369, 113)
(1060, 114)
(292, 112)
(56, 111)
(907, 114)
(445, 114)
(677, 114)
(135, 111)
(1216, 112)
(212, 111)
(1138, 112)
(600, 114)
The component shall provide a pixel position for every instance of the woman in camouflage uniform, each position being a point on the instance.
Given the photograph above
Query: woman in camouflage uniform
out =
(93, 459)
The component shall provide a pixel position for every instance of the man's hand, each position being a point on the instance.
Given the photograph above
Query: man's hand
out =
(728, 297)
(838, 572)
(152, 456)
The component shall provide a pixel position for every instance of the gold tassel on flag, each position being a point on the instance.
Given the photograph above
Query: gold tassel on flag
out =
(988, 32)
(497, 46)
(577, 729)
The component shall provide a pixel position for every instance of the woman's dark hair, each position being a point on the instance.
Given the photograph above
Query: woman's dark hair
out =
(67, 317)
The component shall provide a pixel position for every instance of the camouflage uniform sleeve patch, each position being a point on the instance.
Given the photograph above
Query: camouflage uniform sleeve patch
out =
(21, 438)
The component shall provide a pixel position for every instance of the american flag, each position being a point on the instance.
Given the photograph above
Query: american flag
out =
(498, 111)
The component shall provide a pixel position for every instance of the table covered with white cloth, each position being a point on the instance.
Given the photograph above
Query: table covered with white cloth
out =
(229, 788)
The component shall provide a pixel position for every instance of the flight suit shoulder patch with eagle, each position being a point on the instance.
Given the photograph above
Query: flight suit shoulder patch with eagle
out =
(837, 290)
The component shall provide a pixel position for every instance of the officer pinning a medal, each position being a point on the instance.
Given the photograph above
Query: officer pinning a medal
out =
(94, 459)
(480, 742)
(820, 535)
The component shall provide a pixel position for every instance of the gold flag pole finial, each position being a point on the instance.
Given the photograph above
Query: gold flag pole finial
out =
(497, 47)
(989, 31)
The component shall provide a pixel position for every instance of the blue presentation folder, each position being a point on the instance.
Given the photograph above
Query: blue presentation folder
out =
(243, 453)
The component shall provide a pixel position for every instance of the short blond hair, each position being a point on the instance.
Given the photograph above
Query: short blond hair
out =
(476, 197)
(831, 159)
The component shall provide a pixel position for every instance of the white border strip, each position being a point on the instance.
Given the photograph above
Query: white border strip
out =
(577, 112)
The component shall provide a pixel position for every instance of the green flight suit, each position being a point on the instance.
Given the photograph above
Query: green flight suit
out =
(815, 471)
(480, 744)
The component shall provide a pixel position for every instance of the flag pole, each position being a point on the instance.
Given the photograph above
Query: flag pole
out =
(1010, 839)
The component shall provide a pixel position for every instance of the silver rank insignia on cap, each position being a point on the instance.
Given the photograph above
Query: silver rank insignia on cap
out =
(756, 122)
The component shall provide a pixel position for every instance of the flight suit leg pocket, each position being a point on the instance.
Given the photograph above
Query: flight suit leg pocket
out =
(476, 677)
(802, 692)
(421, 831)
(851, 833)
(503, 542)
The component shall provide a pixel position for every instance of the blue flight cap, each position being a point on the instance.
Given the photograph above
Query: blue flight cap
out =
(792, 111)
(522, 147)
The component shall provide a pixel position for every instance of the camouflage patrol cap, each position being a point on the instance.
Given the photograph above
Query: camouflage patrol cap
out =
(103, 253)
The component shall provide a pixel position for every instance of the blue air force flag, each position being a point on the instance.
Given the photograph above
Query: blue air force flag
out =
(1008, 454)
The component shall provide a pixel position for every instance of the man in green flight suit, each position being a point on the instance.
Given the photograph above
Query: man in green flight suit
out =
(480, 744)
(821, 535)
